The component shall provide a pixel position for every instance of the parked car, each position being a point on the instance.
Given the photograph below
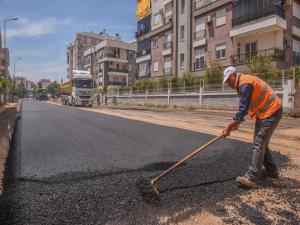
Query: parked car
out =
(43, 97)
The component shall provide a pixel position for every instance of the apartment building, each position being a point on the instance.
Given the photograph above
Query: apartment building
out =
(111, 62)
(143, 59)
(4, 61)
(179, 36)
(236, 31)
(43, 83)
(211, 39)
(75, 50)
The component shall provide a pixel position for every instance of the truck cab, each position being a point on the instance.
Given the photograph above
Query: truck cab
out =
(78, 91)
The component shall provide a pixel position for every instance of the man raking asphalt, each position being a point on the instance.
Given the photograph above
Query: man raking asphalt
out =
(265, 108)
(258, 100)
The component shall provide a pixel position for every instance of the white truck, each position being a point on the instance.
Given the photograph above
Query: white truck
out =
(78, 90)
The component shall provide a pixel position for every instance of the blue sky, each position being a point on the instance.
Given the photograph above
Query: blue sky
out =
(45, 28)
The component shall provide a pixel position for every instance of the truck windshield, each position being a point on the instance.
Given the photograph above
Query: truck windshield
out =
(83, 83)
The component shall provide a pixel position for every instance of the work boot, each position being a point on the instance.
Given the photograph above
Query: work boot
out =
(245, 182)
(268, 173)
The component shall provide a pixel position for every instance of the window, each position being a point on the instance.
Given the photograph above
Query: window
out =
(181, 61)
(200, 28)
(296, 10)
(221, 17)
(156, 18)
(155, 42)
(250, 50)
(168, 12)
(199, 58)
(155, 66)
(221, 51)
(182, 32)
(168, 65)
(168, 40)
(182, 6)
(296, 46)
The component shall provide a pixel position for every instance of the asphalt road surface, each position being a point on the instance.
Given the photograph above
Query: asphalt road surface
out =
(77, 167)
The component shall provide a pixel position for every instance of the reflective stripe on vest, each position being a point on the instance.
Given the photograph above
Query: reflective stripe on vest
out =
(266, 105)
(259, 98)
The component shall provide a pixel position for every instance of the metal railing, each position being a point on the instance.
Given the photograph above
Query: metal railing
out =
(296, 22)
(168, 45)
(118, 83)
(296, 58)
(245, 58)
(201, 3)
(276, 84)
(119, 70)
(168, 19)
(199, 35)
(260, 13)
(144, 52)
(142, 32)
(168, 71)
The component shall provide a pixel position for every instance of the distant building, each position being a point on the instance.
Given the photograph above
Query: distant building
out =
(4, 61)
(43, 83)
(111, 62)
(75, 50)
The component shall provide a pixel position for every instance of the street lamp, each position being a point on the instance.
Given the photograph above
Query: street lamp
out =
(4, 45)
(5, 21)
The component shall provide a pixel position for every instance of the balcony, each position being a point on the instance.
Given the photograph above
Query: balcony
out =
(245, 58)
(168, 71)
(296, 26)
(296, 58)
(142, 32)
(201, 3)
(167, 48)
(118, 70)
(168, 19)
(260, 13)
(199, 38)
(199, 35)
(143, 53)
(167, 45)
(116, 83)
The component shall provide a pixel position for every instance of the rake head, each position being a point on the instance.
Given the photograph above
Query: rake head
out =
(148, 190)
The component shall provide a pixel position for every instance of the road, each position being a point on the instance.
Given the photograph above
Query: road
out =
(78, 167)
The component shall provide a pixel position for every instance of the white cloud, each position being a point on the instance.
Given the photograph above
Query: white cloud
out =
(26, 27)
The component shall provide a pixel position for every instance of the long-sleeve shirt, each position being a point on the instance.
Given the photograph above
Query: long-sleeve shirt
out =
(245, 92)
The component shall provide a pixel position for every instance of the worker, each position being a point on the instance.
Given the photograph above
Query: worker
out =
(98, 98)
(265, 108)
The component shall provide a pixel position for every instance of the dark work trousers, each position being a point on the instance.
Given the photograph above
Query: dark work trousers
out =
(261, 155)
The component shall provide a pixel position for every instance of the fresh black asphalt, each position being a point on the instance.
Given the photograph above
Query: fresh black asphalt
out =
(69, 166)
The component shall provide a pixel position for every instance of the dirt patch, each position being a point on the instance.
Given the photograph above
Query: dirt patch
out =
(7, 117)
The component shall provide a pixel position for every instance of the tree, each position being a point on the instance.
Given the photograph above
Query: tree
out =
(54, 89)
(20, 90)
(214, 73)
(263, 67)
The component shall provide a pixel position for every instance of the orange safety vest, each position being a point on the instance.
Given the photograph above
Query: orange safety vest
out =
(264, 102)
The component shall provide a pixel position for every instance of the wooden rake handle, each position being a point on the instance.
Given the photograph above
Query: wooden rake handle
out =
(154, 180)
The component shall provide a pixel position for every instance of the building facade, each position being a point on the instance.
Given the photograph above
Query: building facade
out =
(4, 61)
(181, 36)
(111, 62)
(75, 50)
(43, 83)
